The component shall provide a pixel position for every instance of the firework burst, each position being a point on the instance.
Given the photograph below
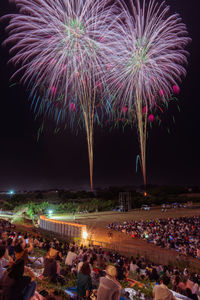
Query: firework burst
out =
(147, 62)
(59, 48)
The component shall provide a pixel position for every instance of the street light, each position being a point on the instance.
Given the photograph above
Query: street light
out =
(50, 211)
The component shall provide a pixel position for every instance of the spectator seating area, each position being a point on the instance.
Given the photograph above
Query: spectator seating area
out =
(181, 234)
(81, 272)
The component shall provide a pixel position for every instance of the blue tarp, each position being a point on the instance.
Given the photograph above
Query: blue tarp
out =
(72, 292)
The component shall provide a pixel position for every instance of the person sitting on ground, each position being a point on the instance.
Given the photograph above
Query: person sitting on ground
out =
(191, 284)
(121, 270)
(85, 258)
(189, 294)
(195, 288)
(71, 257)
(182, 286)
(109, 287)
(84, 284)
(102, 263)
(51, 267)
(10, 246)
(16, 286)
(154, 275)
(4, 259)
(22, 249)
(133, 266)
(161, 291)
(175, 282)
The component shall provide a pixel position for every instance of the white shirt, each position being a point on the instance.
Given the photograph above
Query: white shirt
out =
(133, 268)
(71, 256)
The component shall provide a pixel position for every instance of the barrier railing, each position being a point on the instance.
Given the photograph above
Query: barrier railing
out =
(6, 213)
(149, 254)
(61, 227)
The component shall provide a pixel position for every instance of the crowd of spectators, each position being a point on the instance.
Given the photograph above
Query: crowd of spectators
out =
(92, 267)
(181, 234)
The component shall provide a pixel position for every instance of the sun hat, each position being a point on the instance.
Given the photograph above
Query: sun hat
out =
(52, 253)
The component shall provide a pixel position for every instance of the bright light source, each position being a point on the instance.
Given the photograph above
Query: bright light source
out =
(85, 235)
(11, 192)
(50, 212)
(145, 194)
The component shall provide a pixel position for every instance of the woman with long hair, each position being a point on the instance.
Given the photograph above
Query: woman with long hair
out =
(84, 284)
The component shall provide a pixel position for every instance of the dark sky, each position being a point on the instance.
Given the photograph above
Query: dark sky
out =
(61, 161)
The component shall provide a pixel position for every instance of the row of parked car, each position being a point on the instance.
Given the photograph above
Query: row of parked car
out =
(147, 207)
(174, 205)
(165, 206)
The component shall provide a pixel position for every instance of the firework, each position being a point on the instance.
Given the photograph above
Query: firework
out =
(59, 48)
(147, 64)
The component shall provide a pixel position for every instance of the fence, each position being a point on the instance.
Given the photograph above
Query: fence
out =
(157, 257)
(2, 213)
(129, 251)
(76, 231)
(62, 228)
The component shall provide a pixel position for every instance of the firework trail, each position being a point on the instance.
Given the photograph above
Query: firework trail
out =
(147, 63)
(59, 50)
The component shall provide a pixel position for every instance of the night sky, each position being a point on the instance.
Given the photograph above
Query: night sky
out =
(61, 161)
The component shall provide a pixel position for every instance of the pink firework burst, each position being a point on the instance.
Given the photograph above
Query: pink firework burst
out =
(60, 45)
(149, 54)
(149, 58)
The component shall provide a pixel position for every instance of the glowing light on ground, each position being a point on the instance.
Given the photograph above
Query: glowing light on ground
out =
(85, 235)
